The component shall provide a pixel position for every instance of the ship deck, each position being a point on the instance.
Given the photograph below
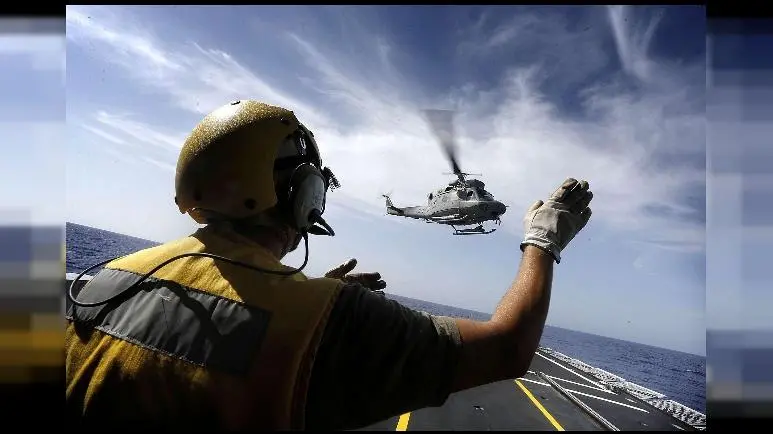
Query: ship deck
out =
(553, 396)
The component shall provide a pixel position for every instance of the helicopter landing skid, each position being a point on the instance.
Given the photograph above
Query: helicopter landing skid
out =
(478, 230)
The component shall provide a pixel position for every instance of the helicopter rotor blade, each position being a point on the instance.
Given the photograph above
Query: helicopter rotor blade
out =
(442, 124)
(464, 173)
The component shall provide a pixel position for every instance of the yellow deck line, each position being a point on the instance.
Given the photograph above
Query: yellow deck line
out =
(539, 406)
(402, 423)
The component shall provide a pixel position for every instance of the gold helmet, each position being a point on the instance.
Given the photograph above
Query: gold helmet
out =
(226, 168)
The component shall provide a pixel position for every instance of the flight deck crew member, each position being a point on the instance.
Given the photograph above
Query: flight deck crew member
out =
(212, 331)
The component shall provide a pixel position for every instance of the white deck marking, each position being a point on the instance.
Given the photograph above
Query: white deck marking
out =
(575, 392)
(534, 381)
(583, 385)
(575, 373)
(607, 400)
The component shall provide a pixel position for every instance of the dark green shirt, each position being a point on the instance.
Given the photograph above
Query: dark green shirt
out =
(379, 359)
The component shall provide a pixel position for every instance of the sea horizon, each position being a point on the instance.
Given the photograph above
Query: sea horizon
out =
(477, 314)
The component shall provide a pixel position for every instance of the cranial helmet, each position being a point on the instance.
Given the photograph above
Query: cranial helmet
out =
(228, 166)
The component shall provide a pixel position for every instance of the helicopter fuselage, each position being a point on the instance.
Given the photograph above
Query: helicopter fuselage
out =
(455, 205)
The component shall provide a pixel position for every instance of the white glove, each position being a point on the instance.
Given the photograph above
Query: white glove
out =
(553, 224)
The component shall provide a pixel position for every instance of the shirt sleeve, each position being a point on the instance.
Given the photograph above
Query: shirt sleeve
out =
(379, 359)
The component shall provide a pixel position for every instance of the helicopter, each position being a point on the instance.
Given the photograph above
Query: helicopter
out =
(463, 202)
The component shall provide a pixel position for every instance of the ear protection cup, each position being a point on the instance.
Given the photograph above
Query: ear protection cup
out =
(306, 191)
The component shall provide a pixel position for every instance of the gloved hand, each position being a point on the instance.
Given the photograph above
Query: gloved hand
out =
(553, 224)
(371, 281)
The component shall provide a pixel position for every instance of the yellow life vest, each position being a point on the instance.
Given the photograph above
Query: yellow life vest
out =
(201, 343)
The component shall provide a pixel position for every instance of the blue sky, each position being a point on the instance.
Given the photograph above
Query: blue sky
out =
(612, 95)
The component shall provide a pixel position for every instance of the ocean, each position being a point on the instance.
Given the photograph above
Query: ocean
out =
(680, 376)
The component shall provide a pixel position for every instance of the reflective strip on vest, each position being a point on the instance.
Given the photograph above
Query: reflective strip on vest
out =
(164, 316)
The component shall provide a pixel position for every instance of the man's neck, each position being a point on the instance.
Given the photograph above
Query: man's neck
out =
(271, 239)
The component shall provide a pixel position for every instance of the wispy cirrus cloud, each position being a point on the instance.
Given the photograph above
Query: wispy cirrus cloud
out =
(104, 134)
(518, 132)
(193, 78)
(158, 163)
(140, 132)
(632, 39)
(128, 140)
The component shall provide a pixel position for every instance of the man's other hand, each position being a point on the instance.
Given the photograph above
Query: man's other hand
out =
(371, 281)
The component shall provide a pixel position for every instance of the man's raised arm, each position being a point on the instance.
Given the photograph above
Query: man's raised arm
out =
(504, 346)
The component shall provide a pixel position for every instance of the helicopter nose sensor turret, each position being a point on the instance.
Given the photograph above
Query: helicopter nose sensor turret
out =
(498, 208)
(493, 208)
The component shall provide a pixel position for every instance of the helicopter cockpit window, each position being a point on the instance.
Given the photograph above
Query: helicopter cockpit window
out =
(466, 194)
(483, 194)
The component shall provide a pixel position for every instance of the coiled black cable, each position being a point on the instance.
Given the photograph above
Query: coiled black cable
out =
(71, 296)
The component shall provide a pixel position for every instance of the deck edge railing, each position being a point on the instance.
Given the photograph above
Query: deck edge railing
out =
(614, 382)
